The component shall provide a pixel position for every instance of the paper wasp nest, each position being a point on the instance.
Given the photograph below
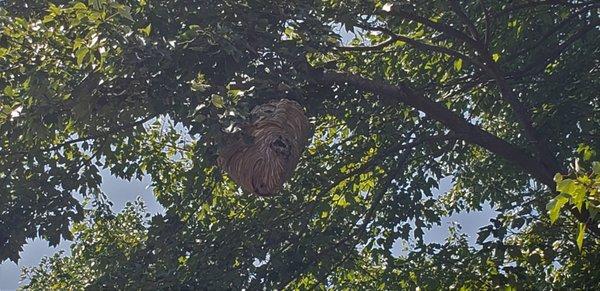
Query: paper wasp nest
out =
(265, 155)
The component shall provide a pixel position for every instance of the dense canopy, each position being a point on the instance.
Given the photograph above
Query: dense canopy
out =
(501, 97)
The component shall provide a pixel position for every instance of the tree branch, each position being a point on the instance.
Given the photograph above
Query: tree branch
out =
(521, 111)
(376, 47)
(449, 30)
(488, 22)
(524, 117)
(549, 33)
(508, 94)
(584, 217)
(539, 3)
(85, 138)
(424, 46)
(391, 94)
(493, 70)
(465, 19)
(543, 59)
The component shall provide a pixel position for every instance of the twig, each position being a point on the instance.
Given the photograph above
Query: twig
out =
(81, 139)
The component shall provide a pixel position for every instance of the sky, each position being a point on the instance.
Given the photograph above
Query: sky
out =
(121, 191)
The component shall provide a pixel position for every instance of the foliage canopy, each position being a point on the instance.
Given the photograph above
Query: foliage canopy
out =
(501, 96)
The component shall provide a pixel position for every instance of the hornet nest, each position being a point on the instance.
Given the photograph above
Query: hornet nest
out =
(265, 155)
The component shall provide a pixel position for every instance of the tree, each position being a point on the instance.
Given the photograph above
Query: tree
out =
(499, 95)
(106, 248)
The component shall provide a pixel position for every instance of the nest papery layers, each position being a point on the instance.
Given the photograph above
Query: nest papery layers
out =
(265, 155)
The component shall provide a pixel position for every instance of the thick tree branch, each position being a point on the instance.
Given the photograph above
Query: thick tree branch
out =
(507, 93)
(545, 165)
(391, 94)
(489, 66)
(524, 117)
(521, 111)
(493, 70)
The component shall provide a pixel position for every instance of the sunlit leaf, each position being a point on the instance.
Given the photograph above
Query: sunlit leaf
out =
(80, 54)
(555, 205)
(146, 30)
(580, 235)
(458, 65)
(496, 57)
(217, 101)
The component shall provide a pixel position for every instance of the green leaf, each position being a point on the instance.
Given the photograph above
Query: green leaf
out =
(578, 196)
(9, 91)
(217, 101)
(496, 57)
(77, 43)
(580, 235)
(586, 151)
(419, 33)
(566, 186)
(48, 18)
(458, 64)
(54, 10)
(125, 12)
(79, 6)
(558, 177)
(596, 168)
(199, 84)
(80, 54)
(555, 205)
(146, 30)
(587, 155)
(342, 202)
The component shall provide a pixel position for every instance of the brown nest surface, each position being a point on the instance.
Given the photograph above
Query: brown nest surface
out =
(265, 155)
